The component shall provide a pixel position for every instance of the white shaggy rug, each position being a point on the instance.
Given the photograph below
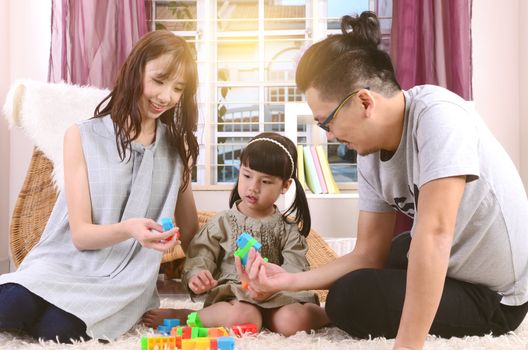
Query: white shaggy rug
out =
(327, 339)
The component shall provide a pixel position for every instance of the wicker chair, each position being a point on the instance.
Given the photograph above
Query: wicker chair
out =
(38, 195)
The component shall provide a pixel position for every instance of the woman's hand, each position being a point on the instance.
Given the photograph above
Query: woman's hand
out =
(202, 282)
(150, 234)
(262, 278)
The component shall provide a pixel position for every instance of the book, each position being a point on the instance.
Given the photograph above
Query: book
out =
(300, 167)
(318, 169)
(309, 170)
(327, 172)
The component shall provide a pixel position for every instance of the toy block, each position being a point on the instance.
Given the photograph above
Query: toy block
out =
(242, 329)
(195, 332)
(165, 330)
(193, 320)
(188, 344)
(171, 322)
(203, 343)
(225, 343)
(213, 345)
(178, 341)
(217, 332)
(244, 244)
(155, 343)
(168, 224)
(203, 332)
(183, 331)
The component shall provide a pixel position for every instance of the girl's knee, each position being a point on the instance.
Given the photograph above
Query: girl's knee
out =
(294, 318)
(243, 313)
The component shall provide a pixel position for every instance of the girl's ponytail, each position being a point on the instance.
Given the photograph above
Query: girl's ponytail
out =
(301, 209)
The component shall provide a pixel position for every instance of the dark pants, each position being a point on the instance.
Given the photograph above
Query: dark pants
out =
(369, 302)
(21, 310)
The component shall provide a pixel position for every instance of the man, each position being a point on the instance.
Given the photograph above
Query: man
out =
(426, 153)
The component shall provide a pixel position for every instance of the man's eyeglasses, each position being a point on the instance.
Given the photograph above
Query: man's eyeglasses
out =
(324, 124)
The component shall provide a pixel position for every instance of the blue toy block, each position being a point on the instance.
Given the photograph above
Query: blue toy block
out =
(225, 343)
(244, 244)
(165, 330)
(171, 322)
(167, 224)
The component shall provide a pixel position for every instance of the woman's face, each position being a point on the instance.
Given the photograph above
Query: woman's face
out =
(160, 93)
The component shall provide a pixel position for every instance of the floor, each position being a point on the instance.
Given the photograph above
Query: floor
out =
(170, 288)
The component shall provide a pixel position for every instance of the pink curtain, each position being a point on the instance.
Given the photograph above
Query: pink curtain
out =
(90, 39)
(431, 43)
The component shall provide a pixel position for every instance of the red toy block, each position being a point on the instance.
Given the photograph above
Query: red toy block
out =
(242, 329)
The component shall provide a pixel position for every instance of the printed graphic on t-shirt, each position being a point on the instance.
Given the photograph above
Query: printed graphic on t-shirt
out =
(407, 205)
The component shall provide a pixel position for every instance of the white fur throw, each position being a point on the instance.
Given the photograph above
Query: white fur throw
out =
(45, 110)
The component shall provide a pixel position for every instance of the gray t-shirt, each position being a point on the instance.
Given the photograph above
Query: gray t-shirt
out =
(443, 136)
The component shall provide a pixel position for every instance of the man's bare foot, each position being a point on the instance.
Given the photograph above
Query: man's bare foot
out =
(154, 318)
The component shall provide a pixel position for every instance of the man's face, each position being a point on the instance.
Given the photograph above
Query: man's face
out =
(348, 124)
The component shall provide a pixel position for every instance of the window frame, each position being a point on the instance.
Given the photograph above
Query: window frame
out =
(205, 39)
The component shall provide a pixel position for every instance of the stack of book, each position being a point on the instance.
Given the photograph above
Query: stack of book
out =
(314, 171)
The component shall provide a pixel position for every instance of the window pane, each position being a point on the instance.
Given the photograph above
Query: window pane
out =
(274, 117)
(281, 54)
(342, 162)
(238, 59)
(228, 157)
(284, 15)
(238, 109)
(176, 15)
(339, 8)
(237, 16)
(281, 94)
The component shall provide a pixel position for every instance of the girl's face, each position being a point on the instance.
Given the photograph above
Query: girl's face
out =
(259, 191)
(159, 93)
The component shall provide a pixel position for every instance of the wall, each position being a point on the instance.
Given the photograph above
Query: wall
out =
(523, 89)
(496, 79)
(333, 217)
(25, 35)
(4, 141)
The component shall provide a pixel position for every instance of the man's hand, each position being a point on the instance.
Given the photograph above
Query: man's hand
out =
(202, 282)
(263, 278)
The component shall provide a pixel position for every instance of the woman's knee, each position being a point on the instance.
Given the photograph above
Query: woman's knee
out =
(19, 308)
(60, 326)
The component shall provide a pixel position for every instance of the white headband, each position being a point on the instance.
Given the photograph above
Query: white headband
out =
(281, 146)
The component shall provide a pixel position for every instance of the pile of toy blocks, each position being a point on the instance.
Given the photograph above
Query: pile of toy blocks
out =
(175, 337)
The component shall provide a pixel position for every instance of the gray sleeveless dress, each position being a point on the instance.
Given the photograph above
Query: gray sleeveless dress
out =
(109, 289)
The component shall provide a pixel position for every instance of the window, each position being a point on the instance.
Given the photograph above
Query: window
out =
(247, 52)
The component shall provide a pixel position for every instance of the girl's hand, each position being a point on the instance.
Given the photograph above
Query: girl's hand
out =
(150, 234)
(202, 282)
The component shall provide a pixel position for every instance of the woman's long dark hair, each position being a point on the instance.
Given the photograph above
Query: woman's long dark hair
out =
(269, 158)
(349, 61)
(122, 104)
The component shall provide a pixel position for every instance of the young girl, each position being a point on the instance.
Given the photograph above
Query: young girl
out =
(267, 169)
(94, 271)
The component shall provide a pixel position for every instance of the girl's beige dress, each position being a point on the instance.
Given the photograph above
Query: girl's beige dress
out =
(213, 248)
